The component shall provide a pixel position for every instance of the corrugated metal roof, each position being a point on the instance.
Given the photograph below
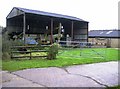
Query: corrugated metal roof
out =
(104, 33)
(49, 14)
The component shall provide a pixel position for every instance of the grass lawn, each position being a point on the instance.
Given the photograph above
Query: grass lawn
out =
(65, 58)
(114, 87)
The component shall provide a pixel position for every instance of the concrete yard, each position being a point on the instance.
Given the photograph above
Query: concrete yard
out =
(88, 75)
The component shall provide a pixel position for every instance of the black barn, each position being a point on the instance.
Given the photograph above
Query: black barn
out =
(25, 21)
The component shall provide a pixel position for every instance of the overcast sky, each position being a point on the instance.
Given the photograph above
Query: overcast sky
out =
(101, 14)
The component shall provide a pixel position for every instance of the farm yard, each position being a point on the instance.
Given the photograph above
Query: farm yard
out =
(33, 27)
(64, 58)
(38, 46)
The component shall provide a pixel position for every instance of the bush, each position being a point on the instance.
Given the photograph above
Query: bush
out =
(6, 56)
(53, 51)
(7, 44)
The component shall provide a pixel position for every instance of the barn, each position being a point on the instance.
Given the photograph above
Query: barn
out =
(24, 22)
(109, 38)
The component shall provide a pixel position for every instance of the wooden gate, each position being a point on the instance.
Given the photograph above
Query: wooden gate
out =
(28, 52)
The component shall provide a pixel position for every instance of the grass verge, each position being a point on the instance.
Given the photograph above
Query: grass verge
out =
(63, 59)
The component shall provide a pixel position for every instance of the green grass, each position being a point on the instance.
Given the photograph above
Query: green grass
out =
(64, 58)
(114, 87)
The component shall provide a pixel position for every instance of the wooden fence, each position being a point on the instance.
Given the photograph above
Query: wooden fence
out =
(27, 52)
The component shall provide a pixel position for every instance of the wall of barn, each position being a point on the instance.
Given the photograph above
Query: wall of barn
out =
(115, 42)
(15, 24)
(81, 31)
(108, 42)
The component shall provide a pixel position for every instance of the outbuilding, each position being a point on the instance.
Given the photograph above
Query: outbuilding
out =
(26, 22)
(109, 38)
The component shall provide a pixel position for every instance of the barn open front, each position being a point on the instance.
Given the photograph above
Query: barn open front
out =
(36, 28)
(43, 26)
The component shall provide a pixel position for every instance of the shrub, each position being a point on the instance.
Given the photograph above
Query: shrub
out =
(6, 56)
(7, 44)
(53, 51)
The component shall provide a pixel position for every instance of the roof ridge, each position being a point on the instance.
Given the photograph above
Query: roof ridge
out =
(50, 13)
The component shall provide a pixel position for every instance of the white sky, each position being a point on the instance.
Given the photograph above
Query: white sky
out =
(101, 14)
